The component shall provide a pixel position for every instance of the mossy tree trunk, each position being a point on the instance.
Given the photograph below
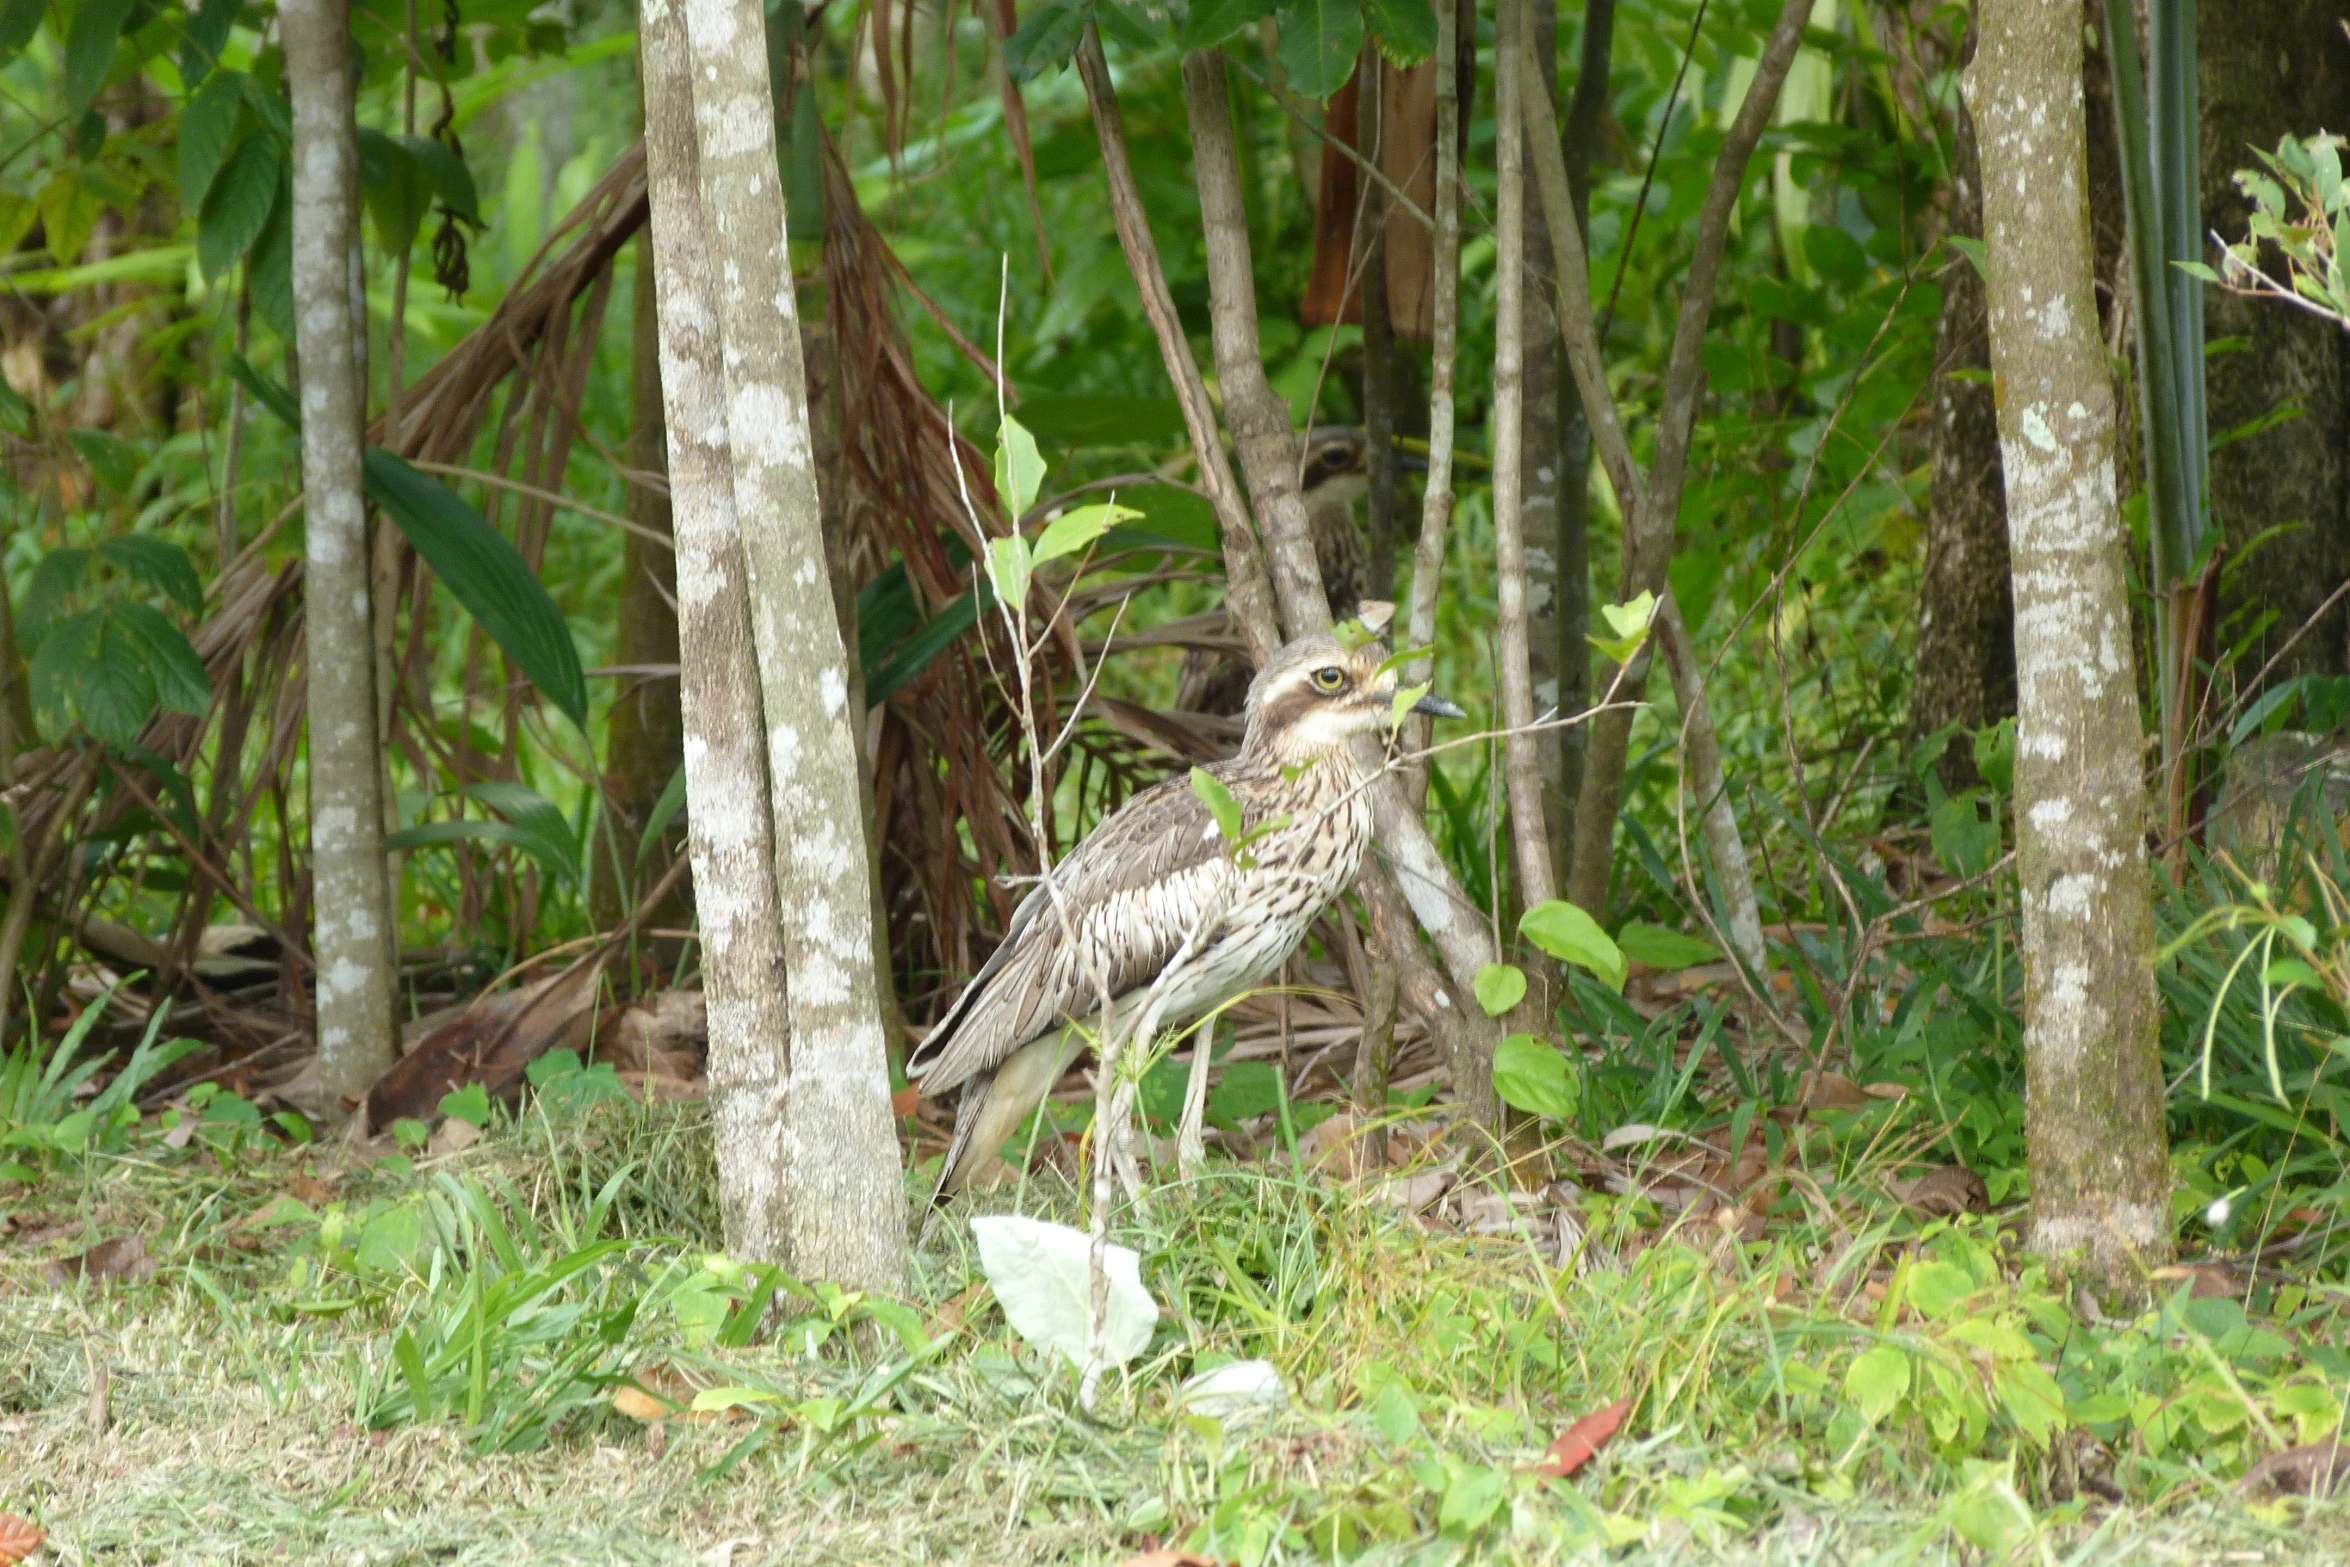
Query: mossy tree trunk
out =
(2092, 1015)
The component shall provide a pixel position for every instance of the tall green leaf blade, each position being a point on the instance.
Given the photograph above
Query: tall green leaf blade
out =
(19, 20)
(89, 51)
(487, 575)
(546, 835)
(238, 206)
(1321, 42)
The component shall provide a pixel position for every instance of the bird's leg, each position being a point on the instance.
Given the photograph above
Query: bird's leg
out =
(1191, 1149)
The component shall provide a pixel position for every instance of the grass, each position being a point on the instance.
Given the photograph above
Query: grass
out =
(258, 1410)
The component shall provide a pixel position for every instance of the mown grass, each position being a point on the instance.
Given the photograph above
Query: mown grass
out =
(255, 1409)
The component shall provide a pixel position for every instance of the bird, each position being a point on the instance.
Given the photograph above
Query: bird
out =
(1164, 911)
(1334, 471)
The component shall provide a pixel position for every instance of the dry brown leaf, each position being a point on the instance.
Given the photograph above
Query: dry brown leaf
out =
(638, 1404)
(123, 1260)
(313, 1189)
(905, 1102)
(2213, 1280)
(1946, 1192)
(1832, 1091)
(1579, 1442)
(19, 1538)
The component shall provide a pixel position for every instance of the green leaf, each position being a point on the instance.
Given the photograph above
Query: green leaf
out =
(1972, 249)
(1007, 568)
(1530, 1075)
(391, 1240)
(1214, 22)
(1995, 756)
(69, 214)
(268, 393)
(551, 840)
(1405, 29)
(712, 1400)
(1572, 936)
(448, 176)
(1631, 622)
(208, 126)
(207, 35)
(664, 812)
(1500, 986)
(2290, 971)
(1046, 40)
(1076, 530)
(173, 669)
(1019, 468)
(110, 458)
(89, 51)
(1404, 701)
(397, 190)
(1321, 43)
(1471, 1498)
(238, 206)
(412, 1372)
(16, 415)
(1877, 1381)
(55, 580)
(1225, 809)
(470, 1104)
(1661, 948)
(269, 273)
(1393, 1413)
(158, 564)
(19, 20)
(485, 574)
(1964, 842)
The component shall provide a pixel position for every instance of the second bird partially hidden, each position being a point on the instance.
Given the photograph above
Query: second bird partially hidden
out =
(1161, 908)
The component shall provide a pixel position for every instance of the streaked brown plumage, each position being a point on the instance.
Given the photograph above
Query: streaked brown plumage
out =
(1157, 904)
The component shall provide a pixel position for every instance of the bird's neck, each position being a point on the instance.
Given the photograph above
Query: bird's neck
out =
(1332, 765)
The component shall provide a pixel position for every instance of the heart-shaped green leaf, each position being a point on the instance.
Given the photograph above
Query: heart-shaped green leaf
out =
(1500, 986)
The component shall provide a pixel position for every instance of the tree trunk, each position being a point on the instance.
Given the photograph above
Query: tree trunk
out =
(846, 1217)
(1966, 618)
(2092, 1016)
(728, 827)
(1521, 761)
(2266, 70)
(353, 949)
(646, 744)
(1542, 466)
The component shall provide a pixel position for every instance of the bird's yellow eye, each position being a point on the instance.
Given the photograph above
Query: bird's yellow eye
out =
(1329, 678)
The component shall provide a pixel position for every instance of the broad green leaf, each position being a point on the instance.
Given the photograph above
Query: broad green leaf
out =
(110, 458)
(1007, 568)
(1076, 530)
(89, 51)
(1137, 25)
(470, 1104)
(1405, 29)
(1472, 1496)
(1019, 468)
(173, 668)
(269, 273)
(19, 20)
(55, 579)
(1661, 948)
(391, 1240)
(1500, 986)
(158, 564)
(207, 35)
(1404, 701)
(1393, 1413)
(238, 206)
(1218, 799)
(1995, 756)
(397, 190)
(1878, 1381)
(450, 179)
(1092, 419)
(69, 214)
(2290, 971)
(17, 215)
(486, 575)
(1321, 43)
(1631, 623)
(1532, 1076)
(663, 813)
(1964, 842)
(1572, 936)
(1972, 249)
(1046, 40)
(208, 126)
(1940, 1289)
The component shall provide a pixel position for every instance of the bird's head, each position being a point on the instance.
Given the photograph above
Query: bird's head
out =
(1316, 694)
(1335, 466)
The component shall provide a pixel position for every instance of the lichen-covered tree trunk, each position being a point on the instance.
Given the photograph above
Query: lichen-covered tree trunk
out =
(646, 744)
(2263, 71)
(729, 831)
(350, 895)
(846, 1215)
(1541, 465)
(2092, 1016)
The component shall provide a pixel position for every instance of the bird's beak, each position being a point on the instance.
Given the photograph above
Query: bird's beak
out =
(1437, 707)
(1411, 456)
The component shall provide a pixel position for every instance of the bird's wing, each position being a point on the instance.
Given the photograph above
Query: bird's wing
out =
(1131, 894)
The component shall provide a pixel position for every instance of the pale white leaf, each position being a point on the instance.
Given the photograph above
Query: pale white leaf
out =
(1245, 1387)
(1039, 1273)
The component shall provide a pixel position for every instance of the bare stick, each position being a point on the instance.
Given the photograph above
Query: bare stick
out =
(1436, 504)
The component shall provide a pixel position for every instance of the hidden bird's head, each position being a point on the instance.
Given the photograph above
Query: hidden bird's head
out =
(1315, 694)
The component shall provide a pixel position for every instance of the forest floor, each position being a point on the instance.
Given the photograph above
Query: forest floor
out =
(446, 1360)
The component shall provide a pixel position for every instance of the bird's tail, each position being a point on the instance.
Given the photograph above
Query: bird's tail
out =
(993, 1106)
